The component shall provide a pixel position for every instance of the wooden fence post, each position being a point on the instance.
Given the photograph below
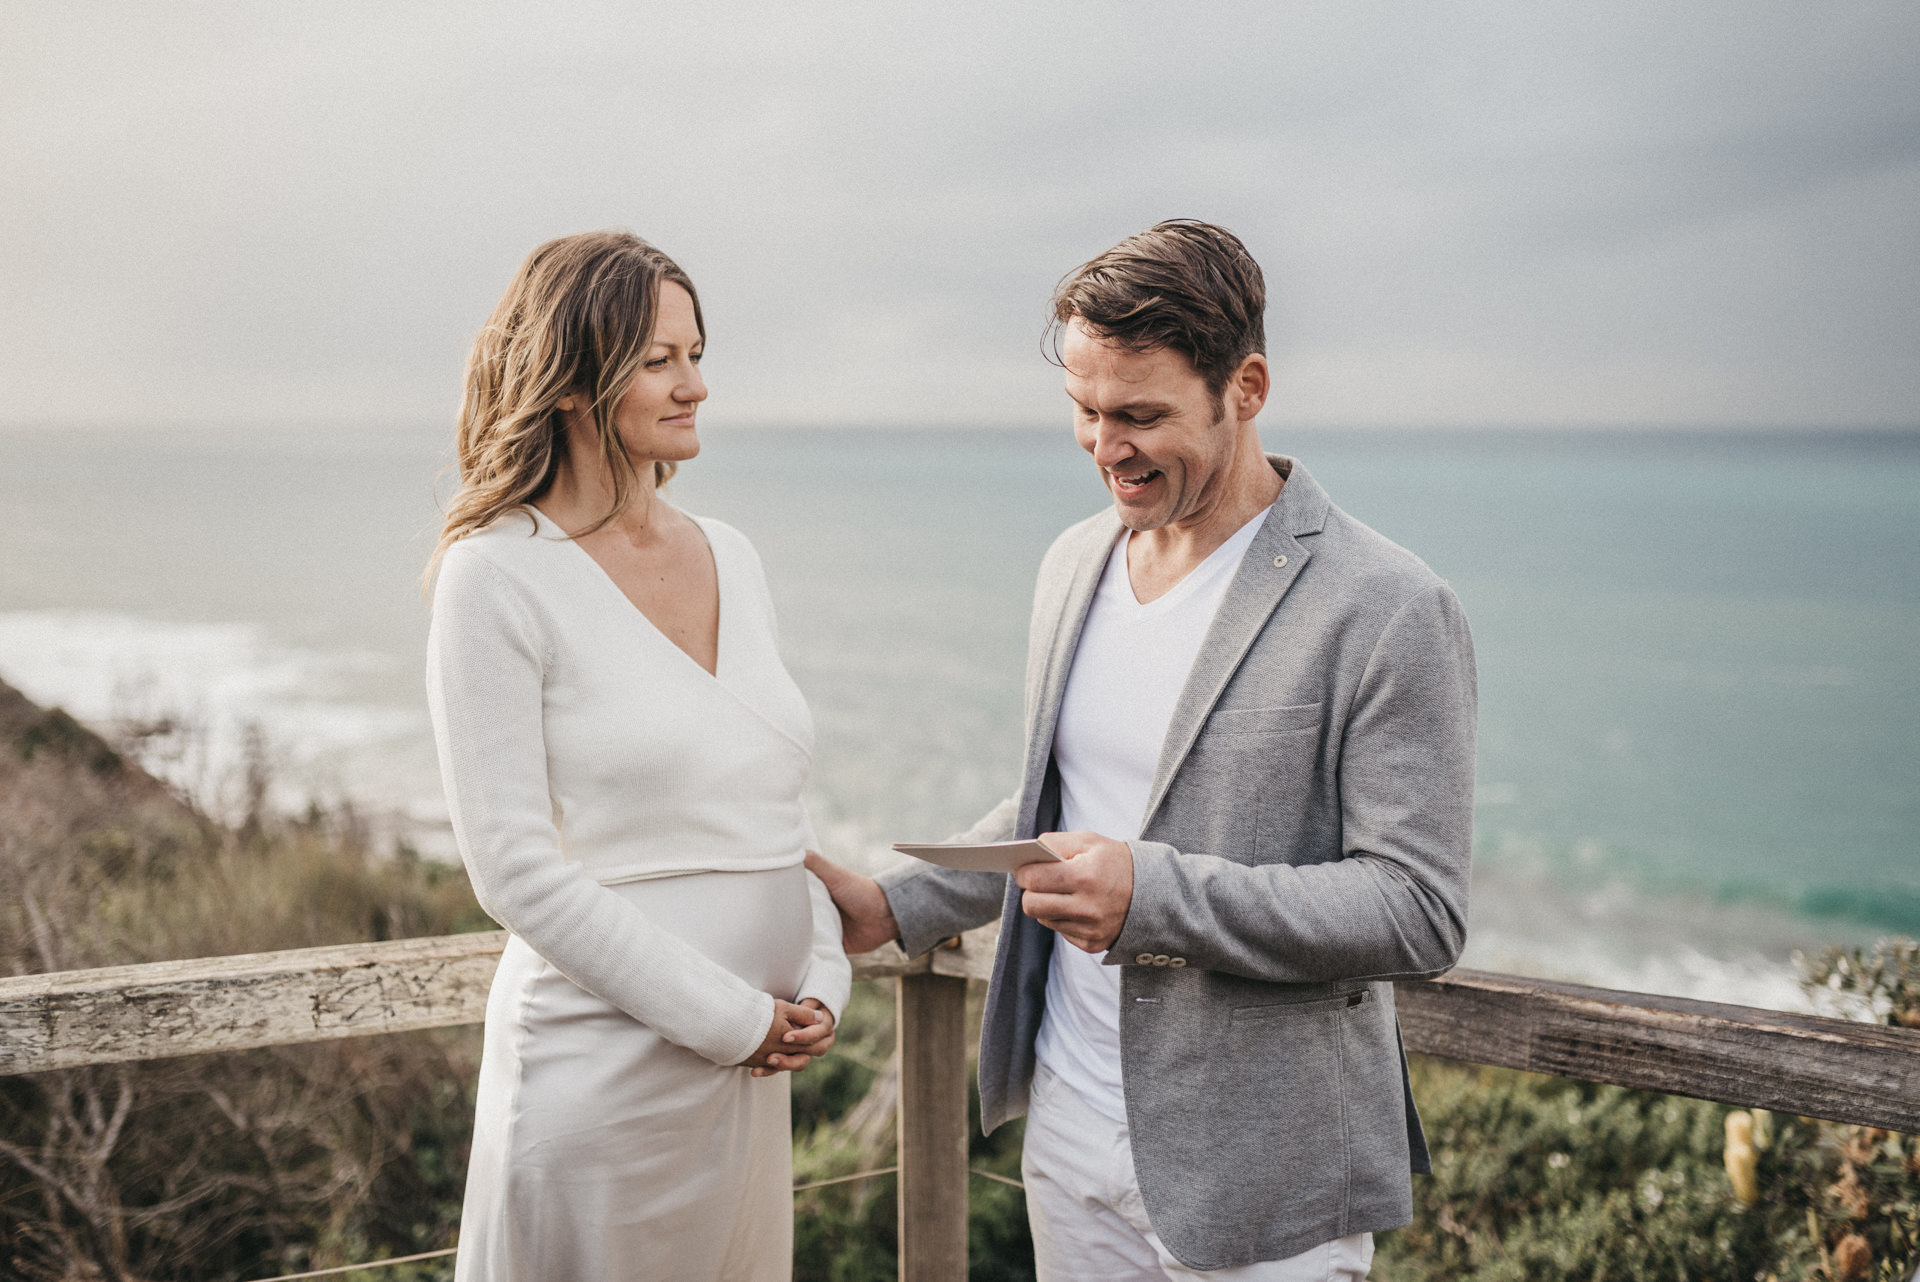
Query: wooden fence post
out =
(932, 1030)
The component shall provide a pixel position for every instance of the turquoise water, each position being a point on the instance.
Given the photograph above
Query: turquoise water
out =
(1700, 654)
(1700, 690)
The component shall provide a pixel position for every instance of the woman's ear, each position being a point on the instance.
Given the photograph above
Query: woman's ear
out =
(569, 403)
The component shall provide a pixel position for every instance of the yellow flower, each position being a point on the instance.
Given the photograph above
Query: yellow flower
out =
(1742, 1160)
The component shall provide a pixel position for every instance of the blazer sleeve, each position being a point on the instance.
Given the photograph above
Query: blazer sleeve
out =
(1394, 906)
(932, 903)
(486, 665)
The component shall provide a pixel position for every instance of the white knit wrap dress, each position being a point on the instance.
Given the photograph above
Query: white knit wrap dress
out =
(636, 824)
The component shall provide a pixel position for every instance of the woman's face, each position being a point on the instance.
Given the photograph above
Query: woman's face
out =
(655, 417)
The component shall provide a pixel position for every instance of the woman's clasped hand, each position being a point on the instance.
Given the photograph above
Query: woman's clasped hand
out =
(799, 1033)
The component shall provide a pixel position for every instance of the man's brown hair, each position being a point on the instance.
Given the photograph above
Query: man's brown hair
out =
(1182, 284)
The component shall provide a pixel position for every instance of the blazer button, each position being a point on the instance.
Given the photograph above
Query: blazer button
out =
(1144, 959)
(1161, 959)
(1177, 962)
(1279, 562)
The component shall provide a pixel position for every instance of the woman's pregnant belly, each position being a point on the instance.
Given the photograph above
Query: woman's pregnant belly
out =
(600, 1147)
(759, 925)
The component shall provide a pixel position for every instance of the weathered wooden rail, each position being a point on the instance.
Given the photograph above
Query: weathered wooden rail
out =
(1847, 1072)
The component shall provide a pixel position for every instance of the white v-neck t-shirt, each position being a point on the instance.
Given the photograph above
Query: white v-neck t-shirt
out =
(1128, 670)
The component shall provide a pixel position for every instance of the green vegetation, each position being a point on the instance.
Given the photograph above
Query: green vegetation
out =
(242, 1166)
(1548, 1179)
(1538, 1178)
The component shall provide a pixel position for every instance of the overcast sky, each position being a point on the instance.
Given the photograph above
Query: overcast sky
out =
(1502, 212)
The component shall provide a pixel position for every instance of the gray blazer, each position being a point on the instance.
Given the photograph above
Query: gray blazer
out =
(1306, 843)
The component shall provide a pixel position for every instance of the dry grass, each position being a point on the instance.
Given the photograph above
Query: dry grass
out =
(222, 1166)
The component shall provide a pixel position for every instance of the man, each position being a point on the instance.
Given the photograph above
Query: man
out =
(1250, 732)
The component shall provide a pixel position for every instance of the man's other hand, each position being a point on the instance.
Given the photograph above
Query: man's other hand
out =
(866, 920)
(1086, 895)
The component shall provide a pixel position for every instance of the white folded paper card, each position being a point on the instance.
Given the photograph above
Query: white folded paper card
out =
(995, 856)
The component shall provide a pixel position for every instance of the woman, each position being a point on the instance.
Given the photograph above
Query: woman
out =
(623, 755)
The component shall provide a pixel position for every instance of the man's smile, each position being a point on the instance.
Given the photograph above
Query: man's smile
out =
(1135, 483)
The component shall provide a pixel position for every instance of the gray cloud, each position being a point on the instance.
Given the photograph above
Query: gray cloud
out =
(1475, 213)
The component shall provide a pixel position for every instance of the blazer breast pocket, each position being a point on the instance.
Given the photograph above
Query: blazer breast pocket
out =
(1252, 774)
(1290, 719)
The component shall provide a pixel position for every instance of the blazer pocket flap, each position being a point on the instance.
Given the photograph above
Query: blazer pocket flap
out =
(1299, 716)
(1283, 1010)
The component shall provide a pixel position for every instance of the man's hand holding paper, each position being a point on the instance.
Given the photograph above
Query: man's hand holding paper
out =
(1085, 896)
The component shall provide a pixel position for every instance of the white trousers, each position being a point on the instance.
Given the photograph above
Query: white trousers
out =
(1089, 1224)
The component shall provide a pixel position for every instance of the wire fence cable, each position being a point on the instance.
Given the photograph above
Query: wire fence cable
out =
(355, 1268)
(798, 1188)
(846, 1179)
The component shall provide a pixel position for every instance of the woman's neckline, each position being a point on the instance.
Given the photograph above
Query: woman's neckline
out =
(547, 525)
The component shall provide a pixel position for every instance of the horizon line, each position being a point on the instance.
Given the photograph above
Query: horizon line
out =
(420, 425)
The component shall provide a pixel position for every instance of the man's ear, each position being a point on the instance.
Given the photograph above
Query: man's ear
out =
(1247, 388)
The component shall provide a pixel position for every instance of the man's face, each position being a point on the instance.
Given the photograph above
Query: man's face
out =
(1157, 434)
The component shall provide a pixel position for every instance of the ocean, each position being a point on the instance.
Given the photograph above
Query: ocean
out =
(1699, 652)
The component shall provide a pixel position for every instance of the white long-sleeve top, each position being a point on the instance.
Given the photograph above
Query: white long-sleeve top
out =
(581, 748)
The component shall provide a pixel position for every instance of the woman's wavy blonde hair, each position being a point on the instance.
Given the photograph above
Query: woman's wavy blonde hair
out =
(577, 319)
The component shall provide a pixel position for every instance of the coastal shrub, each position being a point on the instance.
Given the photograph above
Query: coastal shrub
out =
(1547, 1179)
(228, 1166)
(1885, 979)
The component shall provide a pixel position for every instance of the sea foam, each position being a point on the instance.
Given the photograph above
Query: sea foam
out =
(205, 706)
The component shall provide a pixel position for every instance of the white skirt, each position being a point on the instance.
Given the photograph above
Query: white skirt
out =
(603, 1151)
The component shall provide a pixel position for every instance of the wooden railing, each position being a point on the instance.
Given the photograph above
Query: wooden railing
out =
(1867, 1074)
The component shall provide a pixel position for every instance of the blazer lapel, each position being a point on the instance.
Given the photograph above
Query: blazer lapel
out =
(1272, 563)
(1065, 638)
